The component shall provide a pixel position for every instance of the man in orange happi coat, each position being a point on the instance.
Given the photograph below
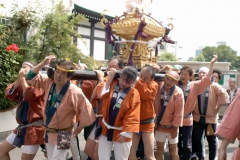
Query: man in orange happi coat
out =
(147, 89)
(229, 129)
(121, 114)
(191, 91)
(169, 106)
(29, 116)
(91, 147)
(205, 116)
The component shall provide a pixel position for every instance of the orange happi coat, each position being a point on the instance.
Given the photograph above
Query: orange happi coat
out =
(129, 113)
(87, 88)
(147, 93)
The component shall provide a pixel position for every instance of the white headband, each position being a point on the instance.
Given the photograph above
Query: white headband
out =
(82, 64)
(49, 67)
(203, 69)
(27, 63)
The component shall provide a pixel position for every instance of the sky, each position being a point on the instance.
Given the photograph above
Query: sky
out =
(196, 23)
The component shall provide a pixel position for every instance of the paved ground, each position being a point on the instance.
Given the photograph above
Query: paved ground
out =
(16, 153)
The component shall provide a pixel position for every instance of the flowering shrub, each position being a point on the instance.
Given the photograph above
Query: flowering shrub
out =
(32, 35)
(12, 47)
(10, 62)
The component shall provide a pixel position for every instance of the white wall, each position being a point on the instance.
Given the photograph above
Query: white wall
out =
(8, 121)
(222, 66)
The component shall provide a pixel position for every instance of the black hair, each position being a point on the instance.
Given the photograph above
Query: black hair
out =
(188, 69)
(120, 61)
(50, 71)
(151, 69)
(70, 65)
(160, 66)
(129, 74)
(218, 72)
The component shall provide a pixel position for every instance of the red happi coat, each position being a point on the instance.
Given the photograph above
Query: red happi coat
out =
(35, 97)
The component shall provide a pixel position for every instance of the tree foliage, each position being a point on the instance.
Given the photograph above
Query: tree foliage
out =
(235, 64)
(167, 57)
(55, 36)
(37, 36)
(13, 32)
(225, 54)
(55, 33)
(199, 58)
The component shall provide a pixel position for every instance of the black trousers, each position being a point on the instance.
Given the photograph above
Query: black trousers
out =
(140, 151)
(185, 142)
(199, 130)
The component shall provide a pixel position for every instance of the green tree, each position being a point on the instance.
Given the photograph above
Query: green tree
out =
(55, 33)
(199, 58)
(225, 53)
(13, 31)
(167, 57)
(55, 36)
(235, 64)
(50, 34)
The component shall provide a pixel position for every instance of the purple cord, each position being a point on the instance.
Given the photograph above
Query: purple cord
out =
(139, 33)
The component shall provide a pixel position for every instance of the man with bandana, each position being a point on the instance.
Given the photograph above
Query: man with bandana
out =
(63, 101)
(169, 107)
(191, 91)
(29, 116)
(205, 116)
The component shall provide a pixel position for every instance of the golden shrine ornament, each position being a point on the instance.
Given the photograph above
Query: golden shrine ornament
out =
(137, 29)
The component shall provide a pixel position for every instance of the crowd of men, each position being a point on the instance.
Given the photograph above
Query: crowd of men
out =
(126, 114)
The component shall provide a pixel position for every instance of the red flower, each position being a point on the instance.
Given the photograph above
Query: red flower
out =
(12, 47)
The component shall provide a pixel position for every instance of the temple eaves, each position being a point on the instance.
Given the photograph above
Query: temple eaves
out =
(89, 14)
